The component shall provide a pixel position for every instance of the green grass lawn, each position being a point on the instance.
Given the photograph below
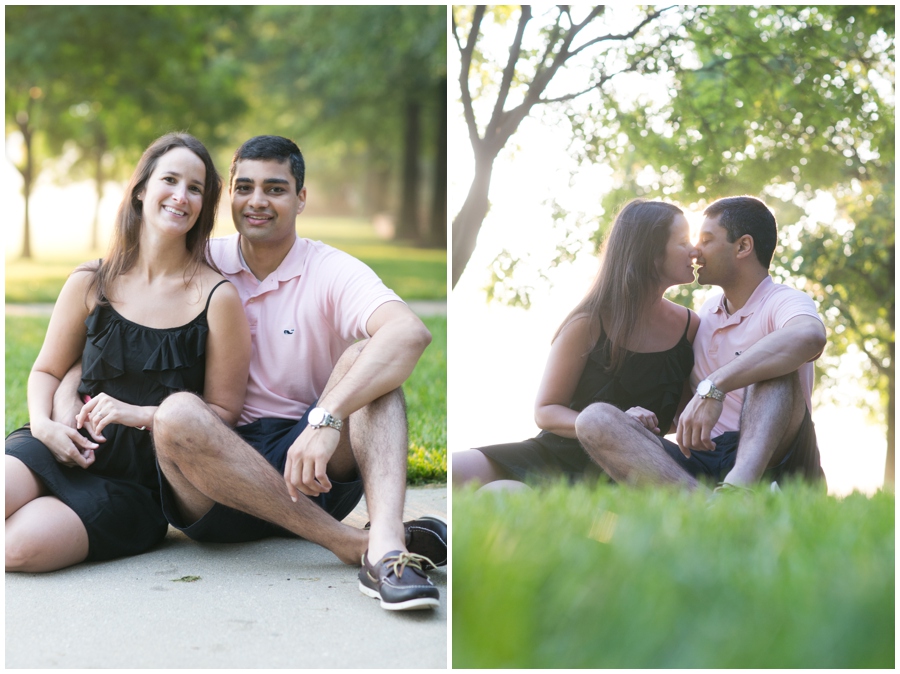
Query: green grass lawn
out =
(609, 577)
(425, 391)
(413, 273)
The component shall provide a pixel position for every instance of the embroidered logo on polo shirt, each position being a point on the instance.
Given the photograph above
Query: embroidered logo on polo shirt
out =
(289, 332)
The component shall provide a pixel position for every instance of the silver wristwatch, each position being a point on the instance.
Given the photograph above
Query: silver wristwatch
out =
(706, 389)
(318, 417)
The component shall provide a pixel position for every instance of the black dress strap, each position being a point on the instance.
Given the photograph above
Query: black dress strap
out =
(688, 326)
(209, 297)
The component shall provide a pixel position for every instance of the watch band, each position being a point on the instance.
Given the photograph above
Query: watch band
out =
(711, 391)
(327, 420)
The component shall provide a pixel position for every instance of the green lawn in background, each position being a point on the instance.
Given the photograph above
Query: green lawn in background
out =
(413, 273)
(612, 577)
(425, 391)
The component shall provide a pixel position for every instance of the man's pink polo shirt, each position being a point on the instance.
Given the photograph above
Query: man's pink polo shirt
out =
(722, 338)
(303, 316)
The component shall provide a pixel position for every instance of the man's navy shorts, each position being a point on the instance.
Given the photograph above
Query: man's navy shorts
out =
(272, 438)
(801, 461)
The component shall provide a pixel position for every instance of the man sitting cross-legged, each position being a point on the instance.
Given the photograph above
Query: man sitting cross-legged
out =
(753, 373)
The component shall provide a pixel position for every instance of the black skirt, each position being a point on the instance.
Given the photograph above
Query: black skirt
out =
(545, 457)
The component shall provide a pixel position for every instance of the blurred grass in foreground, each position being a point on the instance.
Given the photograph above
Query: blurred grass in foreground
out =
(426, 393)
(609, 577)
(413, 273)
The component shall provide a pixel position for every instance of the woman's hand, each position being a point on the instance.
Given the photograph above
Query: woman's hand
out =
(646, 417)
(103, 409)
(67, 445)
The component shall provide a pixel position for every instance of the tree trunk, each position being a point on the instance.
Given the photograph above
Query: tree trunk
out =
(378, 181)
(889, 459)
(438, 229)
(468, 221)
(100, 150)
(28, 178)
(408, 225)
(23, 121)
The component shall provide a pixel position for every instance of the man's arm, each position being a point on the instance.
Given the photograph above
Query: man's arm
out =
(397, 340)
(67, 404)
(801, 340)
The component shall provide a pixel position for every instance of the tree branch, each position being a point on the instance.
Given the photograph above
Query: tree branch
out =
(466, 53)
(508, 72)
(626, 36)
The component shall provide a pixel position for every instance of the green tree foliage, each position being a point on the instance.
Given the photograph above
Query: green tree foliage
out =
(107, 80)
(784, 103)
(368, 83)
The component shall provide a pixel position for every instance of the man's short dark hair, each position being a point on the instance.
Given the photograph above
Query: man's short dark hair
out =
(747, 215)
(263, 148)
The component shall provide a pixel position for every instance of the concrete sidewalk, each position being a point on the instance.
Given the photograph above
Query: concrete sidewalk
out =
(271, 604)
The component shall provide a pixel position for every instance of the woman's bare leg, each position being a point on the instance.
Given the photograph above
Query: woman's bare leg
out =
(44, 535)
(473, 466)
(22, 485)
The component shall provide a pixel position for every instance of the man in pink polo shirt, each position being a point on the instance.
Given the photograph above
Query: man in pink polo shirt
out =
(749, 418)
(324, 415)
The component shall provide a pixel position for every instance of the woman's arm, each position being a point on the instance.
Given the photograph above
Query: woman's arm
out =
(568, 355)
(227, 354)
(63, 345)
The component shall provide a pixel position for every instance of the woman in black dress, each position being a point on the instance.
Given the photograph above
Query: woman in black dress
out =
(150, 319)
(624, 344)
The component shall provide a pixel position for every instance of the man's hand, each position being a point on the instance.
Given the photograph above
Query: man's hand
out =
(103, 409)
(646, 417)
(67, 445)
(696, 423)
(307, 459)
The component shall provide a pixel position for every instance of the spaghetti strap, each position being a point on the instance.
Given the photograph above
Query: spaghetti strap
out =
(687, 327)
(209, 297)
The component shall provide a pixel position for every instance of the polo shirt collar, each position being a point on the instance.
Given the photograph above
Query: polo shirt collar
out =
(290, 267)
(752, 302)
(292, 264)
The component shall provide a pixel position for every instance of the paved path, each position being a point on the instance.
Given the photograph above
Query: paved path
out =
(275, 603)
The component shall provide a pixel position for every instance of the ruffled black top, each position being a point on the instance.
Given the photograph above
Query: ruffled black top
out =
(653, 381)
(141, 366)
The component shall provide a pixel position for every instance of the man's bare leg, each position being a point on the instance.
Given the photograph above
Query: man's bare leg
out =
(378, 437)
(206, 462)
(770, 420)
(626, 450)
(378, 448)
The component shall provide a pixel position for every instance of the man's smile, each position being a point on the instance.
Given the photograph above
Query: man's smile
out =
(258, 218)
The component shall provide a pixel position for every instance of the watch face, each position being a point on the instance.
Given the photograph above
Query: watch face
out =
(316, 416)
(703, 387)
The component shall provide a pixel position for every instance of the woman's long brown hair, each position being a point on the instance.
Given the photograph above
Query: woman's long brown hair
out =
(125, 245)
(628, 281)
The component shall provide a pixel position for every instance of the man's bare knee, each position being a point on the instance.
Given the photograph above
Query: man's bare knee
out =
(178, 416)
(594, 424)
(785, 385)
(348, 358)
